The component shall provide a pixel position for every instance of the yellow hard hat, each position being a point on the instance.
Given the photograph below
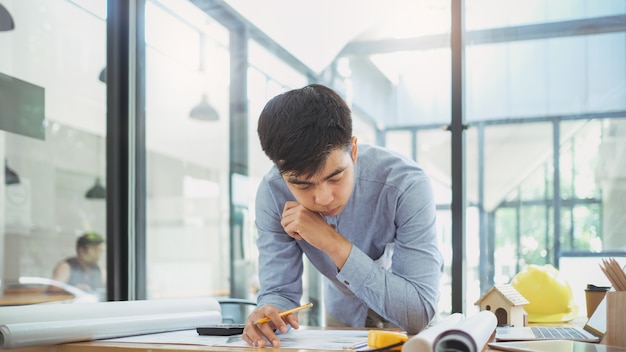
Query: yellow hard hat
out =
(550, 296)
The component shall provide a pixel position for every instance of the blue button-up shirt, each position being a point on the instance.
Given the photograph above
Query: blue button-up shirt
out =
(392, 206)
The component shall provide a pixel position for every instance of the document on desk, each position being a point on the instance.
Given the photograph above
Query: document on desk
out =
(299, 339)
(182, 337)
(311, 339)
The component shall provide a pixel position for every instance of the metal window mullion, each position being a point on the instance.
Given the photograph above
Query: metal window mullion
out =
(457, 158)
(125, 207)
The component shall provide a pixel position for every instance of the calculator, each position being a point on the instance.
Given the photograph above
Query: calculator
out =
(221, 329)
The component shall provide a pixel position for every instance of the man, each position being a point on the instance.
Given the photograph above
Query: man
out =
(82, 270)
(364, 216)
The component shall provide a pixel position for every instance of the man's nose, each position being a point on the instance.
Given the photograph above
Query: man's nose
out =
(323, 195)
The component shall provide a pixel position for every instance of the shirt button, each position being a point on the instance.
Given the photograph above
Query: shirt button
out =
(346, 282)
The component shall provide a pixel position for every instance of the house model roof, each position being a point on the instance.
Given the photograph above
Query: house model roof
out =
(508, 293)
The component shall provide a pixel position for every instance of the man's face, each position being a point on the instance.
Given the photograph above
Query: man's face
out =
(328, 191)
(91, 254)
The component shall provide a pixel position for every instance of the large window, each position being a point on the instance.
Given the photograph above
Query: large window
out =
(545, 114)
(52, 143)
(187, 119)
(544, 104)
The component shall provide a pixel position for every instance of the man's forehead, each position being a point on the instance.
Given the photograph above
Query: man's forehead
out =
(334, 163)
(320, 176)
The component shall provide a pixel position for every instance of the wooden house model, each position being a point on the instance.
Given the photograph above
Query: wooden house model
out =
(506, 303)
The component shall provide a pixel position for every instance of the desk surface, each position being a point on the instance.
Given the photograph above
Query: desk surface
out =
(103, 346)
(17, 299)
(142, 347)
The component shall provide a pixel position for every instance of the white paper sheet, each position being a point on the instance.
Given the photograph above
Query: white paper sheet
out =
(424, 340)
(73, 311)
(182, 337)
(33, 325)
(471, 333)
(299, 339)
(311, 339)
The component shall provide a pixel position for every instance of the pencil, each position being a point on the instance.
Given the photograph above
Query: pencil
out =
(356, 346)
(614, 273)
(619, 277)
(285, 313)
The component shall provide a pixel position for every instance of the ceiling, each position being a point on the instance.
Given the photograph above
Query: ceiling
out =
(316, 32)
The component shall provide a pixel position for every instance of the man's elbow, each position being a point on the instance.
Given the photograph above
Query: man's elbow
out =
(420, 318)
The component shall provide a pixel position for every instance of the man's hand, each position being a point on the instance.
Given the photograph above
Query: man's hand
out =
(304, 224)
(255, 334)
(300, 223)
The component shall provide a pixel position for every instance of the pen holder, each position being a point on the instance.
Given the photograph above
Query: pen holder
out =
(615, 319)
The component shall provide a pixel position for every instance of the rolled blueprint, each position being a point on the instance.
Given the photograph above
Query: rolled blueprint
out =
(423, 342)
(44, 324)
(455, 331)
(471, 333)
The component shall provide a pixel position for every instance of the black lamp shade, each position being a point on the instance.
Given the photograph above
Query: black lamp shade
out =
(10, 176)
(103, 75)
(204, 111)
(97, 191)
(6, 21)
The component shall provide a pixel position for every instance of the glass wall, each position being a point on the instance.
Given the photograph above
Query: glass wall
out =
(545, 114)
(52, 142)
(544, 100)
(542, 108)
(187, 119)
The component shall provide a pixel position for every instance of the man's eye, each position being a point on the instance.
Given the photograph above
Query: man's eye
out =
(302, 186)
(336, 179)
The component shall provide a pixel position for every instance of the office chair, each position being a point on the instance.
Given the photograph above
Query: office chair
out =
(235, 310)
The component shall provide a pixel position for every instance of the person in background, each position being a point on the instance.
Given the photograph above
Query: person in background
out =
(363, 215)
(83, 270)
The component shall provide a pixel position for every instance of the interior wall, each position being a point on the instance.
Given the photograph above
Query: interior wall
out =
(611, 174)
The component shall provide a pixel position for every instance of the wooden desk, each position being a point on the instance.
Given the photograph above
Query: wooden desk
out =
(142, 347)
(103, 346)
(100, 346)
(17, 299)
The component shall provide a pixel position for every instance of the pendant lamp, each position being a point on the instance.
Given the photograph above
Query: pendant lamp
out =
(6, 21)
(204, 111)
(103, 75)
(97, 191)
(10, 176)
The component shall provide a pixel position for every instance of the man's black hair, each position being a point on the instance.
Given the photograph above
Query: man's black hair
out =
(300, 128)
(89, 239)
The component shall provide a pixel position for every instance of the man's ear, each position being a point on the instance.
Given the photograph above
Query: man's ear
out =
(354, 149)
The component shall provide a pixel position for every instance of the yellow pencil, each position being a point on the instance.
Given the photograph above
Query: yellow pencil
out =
(285, 313)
